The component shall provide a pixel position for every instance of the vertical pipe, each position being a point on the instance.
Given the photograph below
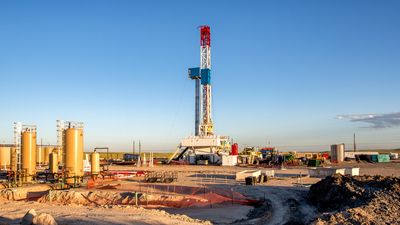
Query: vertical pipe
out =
(197, 108)
(139, 157)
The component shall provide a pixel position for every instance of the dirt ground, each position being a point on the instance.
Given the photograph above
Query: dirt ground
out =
(206, 194)
(13, 211)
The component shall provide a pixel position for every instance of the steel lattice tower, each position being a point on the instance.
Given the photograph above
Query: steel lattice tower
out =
(206, 127)
(202, 77)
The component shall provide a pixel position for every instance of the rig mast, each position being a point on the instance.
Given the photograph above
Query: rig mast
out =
(205, 142)
(202, 77)
(206, 126)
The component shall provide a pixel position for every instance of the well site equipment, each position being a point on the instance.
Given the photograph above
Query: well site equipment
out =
(25, 162)
(5, 158)
(204, 143)
(337, 153)
(53, 163)
(61, 153)
(25, 152)
(95, 163)
(13, 159)
(70, 142)
(39, 155)
(235, 149)
(46, 155)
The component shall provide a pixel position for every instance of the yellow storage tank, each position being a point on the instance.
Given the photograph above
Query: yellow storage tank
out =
(74, 153)
(39, 155)
(59, 152)
(95, 163)
(53, 164)
(28, 153)
(13, 159)
(46, 155)
(5, 157)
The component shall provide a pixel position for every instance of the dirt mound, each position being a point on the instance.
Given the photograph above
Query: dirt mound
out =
(24, 193)
(357, 200)
(99, 198)
(106, 198)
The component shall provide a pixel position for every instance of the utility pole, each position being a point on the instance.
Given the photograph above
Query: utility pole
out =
(140, 147)
(139, 159)
(354, 142)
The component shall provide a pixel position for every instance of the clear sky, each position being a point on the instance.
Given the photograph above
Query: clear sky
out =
(295, 73)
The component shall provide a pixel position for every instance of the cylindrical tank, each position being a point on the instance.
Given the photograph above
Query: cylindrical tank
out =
(59, 152)
(39, 155)
(235, 149)
(46, 155)
(28, 153)
(74, 153)
(337, 153)
(334, 153)
(95, 163)
(5, 157)
(53, 163)
(340, 153)
(13, 159)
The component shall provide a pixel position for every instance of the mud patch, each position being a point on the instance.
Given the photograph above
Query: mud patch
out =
(295, 215)
(261, 212)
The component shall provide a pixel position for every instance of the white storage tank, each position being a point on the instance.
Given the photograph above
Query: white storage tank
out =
(337, 153)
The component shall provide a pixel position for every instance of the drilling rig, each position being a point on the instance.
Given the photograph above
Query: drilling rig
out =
(204, 144)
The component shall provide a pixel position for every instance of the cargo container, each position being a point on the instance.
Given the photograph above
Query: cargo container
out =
(383, 158)
(131, 157)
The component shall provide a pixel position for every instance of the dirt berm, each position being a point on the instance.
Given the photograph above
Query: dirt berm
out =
(357, 200)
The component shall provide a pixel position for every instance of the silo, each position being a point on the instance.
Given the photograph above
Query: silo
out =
(74, 153)
(53, 163)
(95, 163)
(28, 151)
(5, 157)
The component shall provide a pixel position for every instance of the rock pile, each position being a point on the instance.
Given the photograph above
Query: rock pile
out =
(357, 200)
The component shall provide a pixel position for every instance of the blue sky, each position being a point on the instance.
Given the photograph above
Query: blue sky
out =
(281, 70)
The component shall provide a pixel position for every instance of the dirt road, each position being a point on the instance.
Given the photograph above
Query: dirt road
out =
(287, 205)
